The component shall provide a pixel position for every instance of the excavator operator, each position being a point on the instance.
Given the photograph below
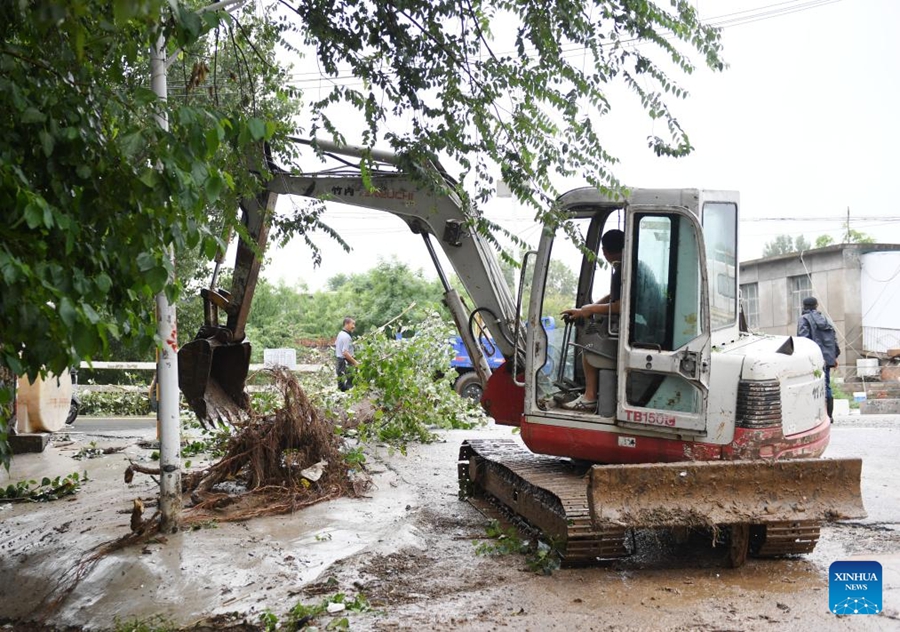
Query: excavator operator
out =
(612, 243)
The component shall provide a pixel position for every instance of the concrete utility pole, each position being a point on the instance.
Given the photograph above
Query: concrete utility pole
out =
(168, 421)
(167, 415)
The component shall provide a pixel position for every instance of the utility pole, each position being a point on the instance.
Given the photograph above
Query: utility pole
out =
(167, 416)
(847, 231)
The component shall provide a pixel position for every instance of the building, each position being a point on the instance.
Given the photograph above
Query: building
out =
(857, 285)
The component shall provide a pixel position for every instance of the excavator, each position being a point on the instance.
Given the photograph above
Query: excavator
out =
(700, 423)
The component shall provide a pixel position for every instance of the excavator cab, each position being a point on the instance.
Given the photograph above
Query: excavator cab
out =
(653, 357)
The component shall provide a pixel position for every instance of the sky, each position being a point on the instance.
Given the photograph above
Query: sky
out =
(802, 123)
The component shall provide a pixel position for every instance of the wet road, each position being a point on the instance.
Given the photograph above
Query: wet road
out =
(408, 548)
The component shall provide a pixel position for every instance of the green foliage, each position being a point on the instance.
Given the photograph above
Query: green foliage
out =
(838, 392)
(156, 623)
(91, 451)
(284, 316)
(48, 489)
(372, 298)
(409, 383)
(544, 559)
(502, 541)
(785, 244)
(855, 237)
(276, 320)
(268, 621)
(540, 557)
(781, 245)
(305, 613)
(559, 291)
(82, 260)
(7, 399)
(94, 190)
(355, 457)
(121, 404)
(519, 98)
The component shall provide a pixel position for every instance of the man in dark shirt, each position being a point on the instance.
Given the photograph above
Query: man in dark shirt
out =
(816, 327)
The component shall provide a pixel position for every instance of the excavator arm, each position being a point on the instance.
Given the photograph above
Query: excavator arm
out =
(436, 215)
(213, 367)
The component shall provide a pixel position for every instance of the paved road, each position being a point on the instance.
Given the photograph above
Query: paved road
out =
(93, 425)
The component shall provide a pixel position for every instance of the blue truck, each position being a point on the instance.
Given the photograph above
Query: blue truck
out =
(467, 383)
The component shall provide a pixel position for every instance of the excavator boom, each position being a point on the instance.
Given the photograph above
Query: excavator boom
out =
(213, 367)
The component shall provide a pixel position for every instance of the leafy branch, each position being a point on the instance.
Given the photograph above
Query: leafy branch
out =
(47, 490)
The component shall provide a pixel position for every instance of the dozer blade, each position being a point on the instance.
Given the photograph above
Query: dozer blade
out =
(212, 374)
(725, 492)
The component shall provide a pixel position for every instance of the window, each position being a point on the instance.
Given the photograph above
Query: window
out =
(652, 261)
(665, 285)
(720, 235)
(750, 301)
(800, 289)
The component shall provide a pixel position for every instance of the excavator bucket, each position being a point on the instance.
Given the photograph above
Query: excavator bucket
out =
(212, 374)
(698, 494)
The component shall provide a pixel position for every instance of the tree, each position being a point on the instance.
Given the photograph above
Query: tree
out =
(781, 245)
(93, 190)
(856, 237)
(850, 236)
(529, 105)
(373, 298)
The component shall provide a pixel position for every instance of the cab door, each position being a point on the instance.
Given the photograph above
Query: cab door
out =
(664, 339)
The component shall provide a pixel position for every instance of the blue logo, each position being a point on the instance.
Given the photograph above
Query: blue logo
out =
(854, 588)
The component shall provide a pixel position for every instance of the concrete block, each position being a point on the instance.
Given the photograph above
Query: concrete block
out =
(842, 407)
(880, 407)
(867, 367)
(28, 442)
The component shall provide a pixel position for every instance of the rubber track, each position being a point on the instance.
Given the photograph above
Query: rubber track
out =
(550, 494)
(787, 538)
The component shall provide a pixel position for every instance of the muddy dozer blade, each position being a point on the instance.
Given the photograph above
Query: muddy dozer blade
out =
(725, 492)
(212, 374)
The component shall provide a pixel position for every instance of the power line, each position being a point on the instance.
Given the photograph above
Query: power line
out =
(843, 219)
(727, 20)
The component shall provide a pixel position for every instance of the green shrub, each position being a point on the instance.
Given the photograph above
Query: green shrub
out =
(120, 404)
(409, 382)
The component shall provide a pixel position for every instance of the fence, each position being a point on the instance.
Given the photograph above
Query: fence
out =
(151, 366)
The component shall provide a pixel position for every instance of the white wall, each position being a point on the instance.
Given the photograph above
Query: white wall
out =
(880, 295)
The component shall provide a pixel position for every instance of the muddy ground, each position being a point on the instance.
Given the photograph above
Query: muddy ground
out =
(409, 548)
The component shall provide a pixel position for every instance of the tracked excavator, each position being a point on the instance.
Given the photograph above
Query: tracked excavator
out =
(700, 422)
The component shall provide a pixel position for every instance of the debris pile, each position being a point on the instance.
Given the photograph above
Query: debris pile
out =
(275, 463)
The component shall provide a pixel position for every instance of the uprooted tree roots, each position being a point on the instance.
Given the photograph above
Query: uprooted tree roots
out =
(274, 463)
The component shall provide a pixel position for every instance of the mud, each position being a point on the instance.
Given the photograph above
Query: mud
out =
(408, 547)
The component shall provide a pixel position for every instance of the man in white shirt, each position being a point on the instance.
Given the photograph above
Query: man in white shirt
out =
(343, 354)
